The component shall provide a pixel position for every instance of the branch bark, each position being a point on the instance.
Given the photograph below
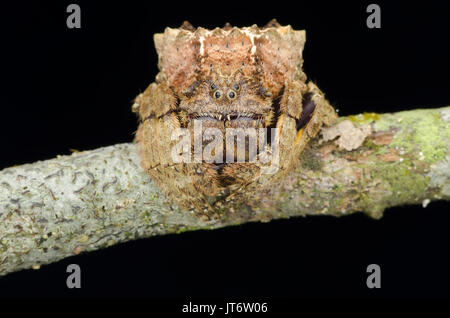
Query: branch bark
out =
(53, 209)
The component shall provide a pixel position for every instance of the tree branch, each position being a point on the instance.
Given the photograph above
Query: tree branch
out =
(53, 209)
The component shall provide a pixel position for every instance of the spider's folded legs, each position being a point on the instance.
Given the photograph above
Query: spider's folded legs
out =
(302, 116)
(324, 113)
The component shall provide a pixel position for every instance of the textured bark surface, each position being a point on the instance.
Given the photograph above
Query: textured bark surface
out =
(93, 199)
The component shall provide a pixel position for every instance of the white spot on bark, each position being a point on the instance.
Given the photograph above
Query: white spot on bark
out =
(445, 115)
(350, 137)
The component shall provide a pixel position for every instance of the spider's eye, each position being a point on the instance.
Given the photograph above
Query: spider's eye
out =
(213, 86)
(231, 95)
(217, 94)
(236, 87)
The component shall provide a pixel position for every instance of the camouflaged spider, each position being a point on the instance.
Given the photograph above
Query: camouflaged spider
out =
(226, 78)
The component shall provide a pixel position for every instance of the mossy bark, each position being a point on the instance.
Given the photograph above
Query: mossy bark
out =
(93, 199)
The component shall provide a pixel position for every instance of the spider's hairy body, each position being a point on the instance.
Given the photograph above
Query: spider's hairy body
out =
(221, 79)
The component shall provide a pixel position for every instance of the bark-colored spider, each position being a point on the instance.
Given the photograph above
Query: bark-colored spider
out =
(249, 78)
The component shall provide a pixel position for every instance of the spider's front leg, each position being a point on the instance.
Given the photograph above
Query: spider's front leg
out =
(188, 183)
(303, 111)
(323, 113)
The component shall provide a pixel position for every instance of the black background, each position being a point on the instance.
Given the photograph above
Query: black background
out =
(73, 89)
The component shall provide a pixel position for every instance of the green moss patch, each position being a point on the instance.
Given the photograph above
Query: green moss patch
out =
(422, 133)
